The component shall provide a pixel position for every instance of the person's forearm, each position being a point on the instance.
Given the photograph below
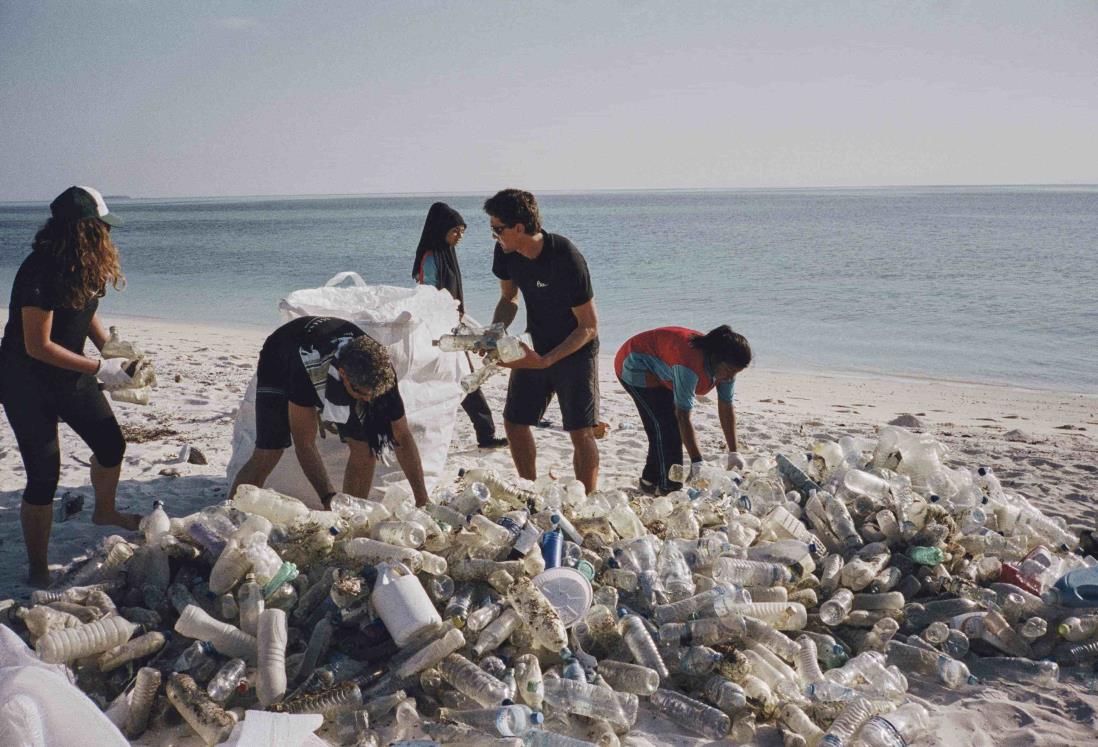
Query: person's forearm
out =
(579, 337)
(57, 355)
(97, 333)
(408, 457)
(727, 414)
(308, 456)
(506, 310)
(689, 437)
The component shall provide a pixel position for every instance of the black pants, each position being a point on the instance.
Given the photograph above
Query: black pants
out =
(657, 411)
(476, 407)
(34, 408)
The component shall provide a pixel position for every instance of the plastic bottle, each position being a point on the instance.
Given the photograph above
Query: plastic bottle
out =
(156, 523)
(371, 551)
(273, 636)
(469, 679)
(798, 722)
(994, 629)
(531, 689)
(693, 714)
(209, 720)
(1077, 629)
(508, 721)
(640, 644)
(543, 738)
(1011, 669)
(401, 533)
(498, 631)
(899, 728)
(836, 609)
(952, 673)
(538, 613)
(854, 714)
(278, 508)
(585, 699)
(69, 644)
(344, 696)
(782, 615)
(749, 572)
(227, 680)
(629, 678)
(431, 654)
(841, 523)
(146, 683)
(227, 639)
(137, 648)
(251, 602)
(319, 640)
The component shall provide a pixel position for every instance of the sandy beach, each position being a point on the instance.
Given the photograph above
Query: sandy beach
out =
(1041, 444)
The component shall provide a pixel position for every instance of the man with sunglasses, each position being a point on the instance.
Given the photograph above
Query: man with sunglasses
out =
(319, 368)
(560, 317)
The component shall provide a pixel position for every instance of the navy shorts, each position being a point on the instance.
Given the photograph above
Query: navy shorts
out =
(575, 381)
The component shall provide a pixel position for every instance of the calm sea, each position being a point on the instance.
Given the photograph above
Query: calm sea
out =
(987, 284)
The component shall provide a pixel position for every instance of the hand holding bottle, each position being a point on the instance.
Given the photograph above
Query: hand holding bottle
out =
(112, 373)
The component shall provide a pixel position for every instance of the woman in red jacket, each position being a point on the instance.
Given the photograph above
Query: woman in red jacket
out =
(664, 370)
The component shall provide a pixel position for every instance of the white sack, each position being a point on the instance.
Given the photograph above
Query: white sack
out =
(406, 321)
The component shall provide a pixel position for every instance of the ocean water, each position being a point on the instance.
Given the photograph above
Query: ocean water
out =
(989, 284)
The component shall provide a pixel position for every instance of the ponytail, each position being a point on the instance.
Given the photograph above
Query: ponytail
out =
(722, 345)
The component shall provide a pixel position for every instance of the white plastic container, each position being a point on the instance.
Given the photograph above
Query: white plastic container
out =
(402, 603)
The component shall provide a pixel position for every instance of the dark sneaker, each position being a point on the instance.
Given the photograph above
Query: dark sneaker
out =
(493, 443)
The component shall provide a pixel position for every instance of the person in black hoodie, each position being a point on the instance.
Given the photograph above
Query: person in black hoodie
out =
(436, 264)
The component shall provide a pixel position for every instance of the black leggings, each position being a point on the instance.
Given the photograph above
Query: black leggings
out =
(34, 408)
(657, 411)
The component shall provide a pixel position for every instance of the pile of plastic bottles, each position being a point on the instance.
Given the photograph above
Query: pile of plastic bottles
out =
(802, 593)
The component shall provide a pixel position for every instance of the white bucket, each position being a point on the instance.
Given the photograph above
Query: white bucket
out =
(402, 603)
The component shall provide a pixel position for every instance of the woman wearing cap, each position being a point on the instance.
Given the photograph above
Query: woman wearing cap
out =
(663, 370)
(436, 264)
(45, 376)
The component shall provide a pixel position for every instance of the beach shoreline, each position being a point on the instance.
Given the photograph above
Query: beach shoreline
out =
(1041, 444)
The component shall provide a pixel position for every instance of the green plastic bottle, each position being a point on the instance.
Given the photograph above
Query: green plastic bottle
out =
(926, 555)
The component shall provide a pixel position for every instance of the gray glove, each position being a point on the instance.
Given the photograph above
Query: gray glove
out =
(112, 372)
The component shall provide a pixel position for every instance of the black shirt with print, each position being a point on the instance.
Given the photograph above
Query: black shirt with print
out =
(552, 284)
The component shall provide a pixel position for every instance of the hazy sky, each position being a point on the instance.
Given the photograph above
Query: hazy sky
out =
(218, 98)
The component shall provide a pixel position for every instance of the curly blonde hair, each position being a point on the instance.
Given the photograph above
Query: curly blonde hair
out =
(84, 257)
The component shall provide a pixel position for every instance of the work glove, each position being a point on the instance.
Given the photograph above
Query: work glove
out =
(733, 461)
(112, 373)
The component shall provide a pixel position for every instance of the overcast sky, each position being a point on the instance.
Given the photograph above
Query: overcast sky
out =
(236, 98)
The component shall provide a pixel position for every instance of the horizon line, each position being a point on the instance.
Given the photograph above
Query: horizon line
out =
(603, 190)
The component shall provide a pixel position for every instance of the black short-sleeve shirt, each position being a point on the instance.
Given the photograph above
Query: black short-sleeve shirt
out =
(551, 286)
(37, 284)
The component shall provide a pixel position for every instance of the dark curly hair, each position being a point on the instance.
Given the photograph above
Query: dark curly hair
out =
(513, 206)
(84, 257)
(722, 345)
(367, 365)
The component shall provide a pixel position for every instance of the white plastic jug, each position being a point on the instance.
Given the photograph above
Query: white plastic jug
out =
(402, 603)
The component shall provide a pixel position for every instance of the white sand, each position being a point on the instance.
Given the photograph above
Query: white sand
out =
(1041, 444)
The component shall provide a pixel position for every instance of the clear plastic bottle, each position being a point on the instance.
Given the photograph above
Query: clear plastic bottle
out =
(1011, 669)
(749, 572)
(950, 672)
(227, 680)
(469, 679)
(528, 679)
(836, 609)
(850, 719)
(278, 508)
(1076, 629)
(156, 523)
(798, 722)
(710, 722)
(69, 644)
(498, 631)
(539, 614)
(629, 678)
(640, 644)
(507, 721)
(400, 533)
(431, 654)
(584, 699)
(227, 639)
(208, 719)
(725, 694)
(251, 602)
(899, 728)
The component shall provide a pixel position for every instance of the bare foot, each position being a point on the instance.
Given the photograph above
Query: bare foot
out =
(40, 579)
(116, 519)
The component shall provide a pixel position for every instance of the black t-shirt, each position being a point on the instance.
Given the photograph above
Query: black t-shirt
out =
(551, 286)
(308, 346)
(36, 284)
